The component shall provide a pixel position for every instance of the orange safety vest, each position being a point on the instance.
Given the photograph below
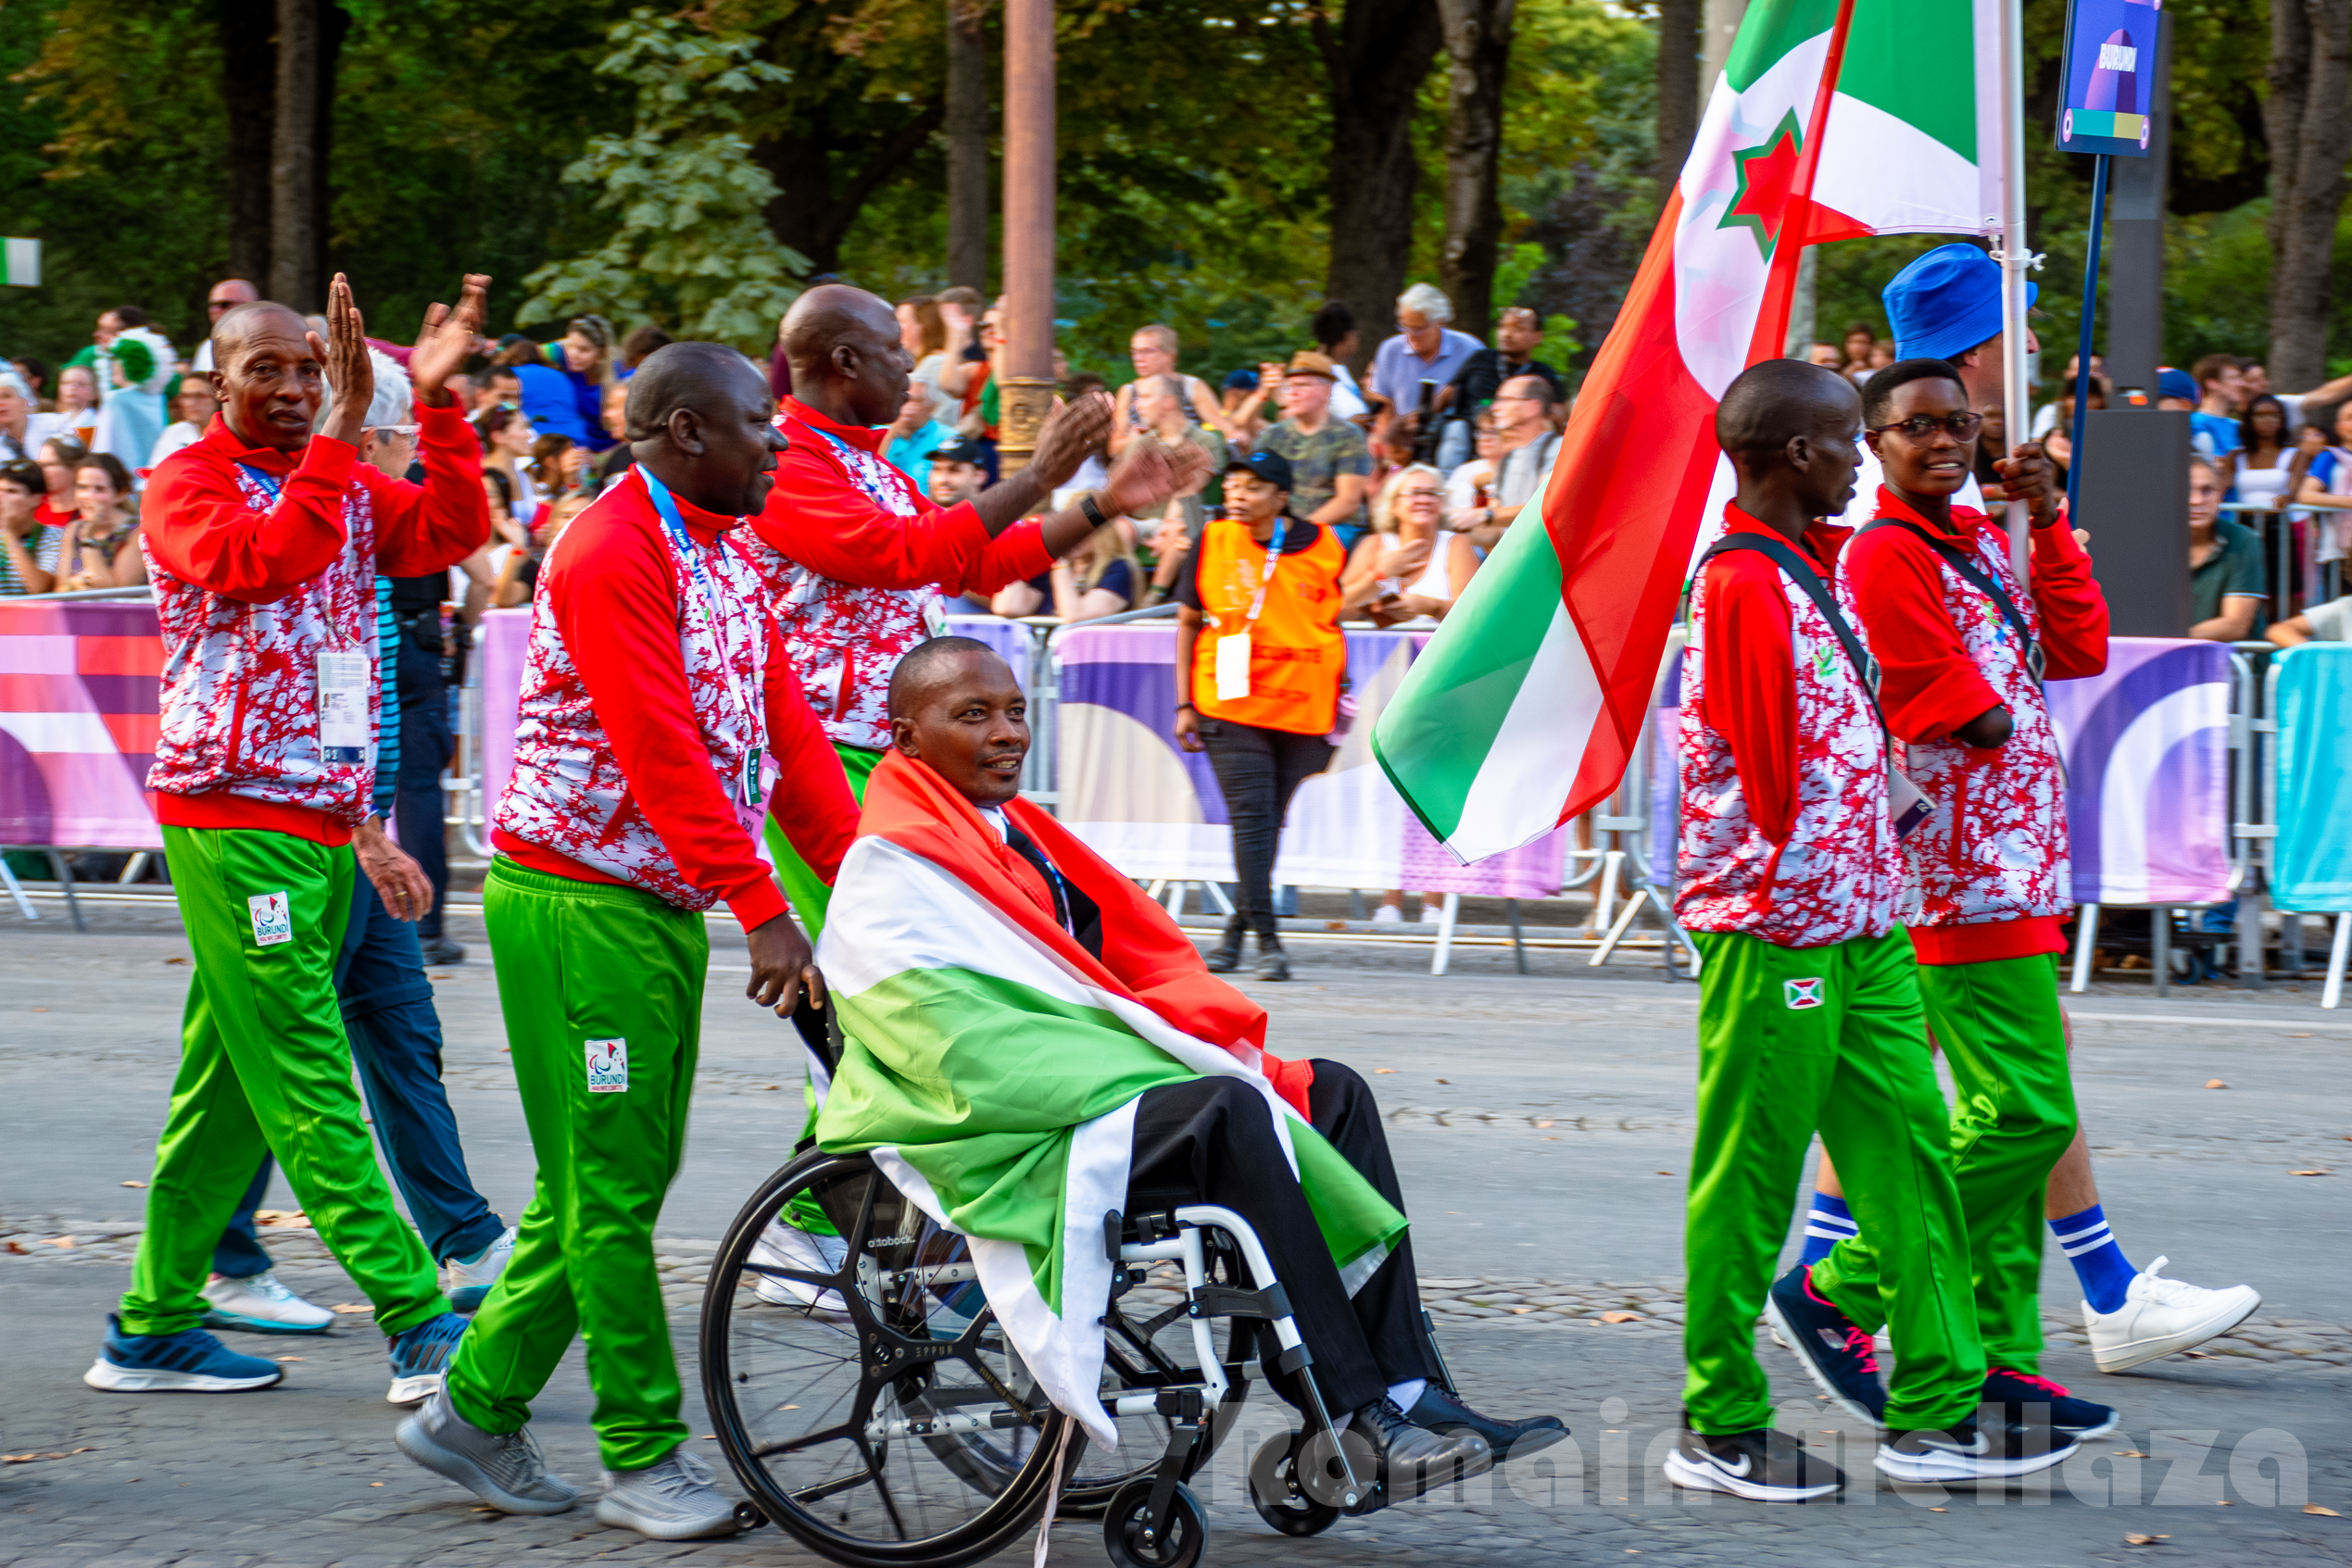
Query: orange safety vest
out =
(1297, 652)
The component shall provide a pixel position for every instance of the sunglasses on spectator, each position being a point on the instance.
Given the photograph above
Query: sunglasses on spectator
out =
(1415, 494)
(1922, 427)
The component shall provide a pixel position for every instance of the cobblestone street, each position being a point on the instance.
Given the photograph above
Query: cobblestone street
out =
(1542, 1124)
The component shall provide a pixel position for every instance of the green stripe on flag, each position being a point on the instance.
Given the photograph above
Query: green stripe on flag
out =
(1916, 61)
(1434, 737)
(1770, 31)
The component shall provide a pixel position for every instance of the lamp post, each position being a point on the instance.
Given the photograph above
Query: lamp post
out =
(1027, 392)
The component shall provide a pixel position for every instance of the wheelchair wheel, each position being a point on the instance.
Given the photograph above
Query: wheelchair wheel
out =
(1135, 1539)
(1276, 1493)
(861, 1389)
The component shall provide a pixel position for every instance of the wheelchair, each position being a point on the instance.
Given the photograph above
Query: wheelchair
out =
(872, 1406)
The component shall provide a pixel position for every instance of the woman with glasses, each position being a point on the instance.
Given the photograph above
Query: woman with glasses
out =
(1408, 571)
(192, 407)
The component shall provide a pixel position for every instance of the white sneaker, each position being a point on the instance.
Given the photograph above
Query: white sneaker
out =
(1388, 915)
(1431, 914)
(2163, 1317)
(673, 1500)
(259, 1304)
(784, 1247)
(467, 1284)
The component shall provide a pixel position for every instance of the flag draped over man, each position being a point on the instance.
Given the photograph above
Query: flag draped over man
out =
(1832, 120)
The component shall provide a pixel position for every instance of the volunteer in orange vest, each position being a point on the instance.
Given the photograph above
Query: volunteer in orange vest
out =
(1259, 661)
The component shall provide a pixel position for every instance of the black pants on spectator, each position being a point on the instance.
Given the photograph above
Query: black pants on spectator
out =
(424, 751)
(1211, 1141)
(1258, 771)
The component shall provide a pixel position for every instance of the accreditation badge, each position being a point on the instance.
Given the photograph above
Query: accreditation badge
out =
(1233, 666)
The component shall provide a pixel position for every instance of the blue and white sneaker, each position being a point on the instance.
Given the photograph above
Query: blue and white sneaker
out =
(260, 1304)
(191, 1362)
(468, 1280)
(419, 1356)
(1830, 1345)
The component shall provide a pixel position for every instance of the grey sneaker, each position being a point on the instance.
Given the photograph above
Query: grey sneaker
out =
(673, 1500)
(505, 1470)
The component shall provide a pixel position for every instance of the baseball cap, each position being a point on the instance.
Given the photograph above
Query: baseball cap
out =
(2177, 383)
(1307, 362)
(1946, 303)
(1272, 467)
(962, 449)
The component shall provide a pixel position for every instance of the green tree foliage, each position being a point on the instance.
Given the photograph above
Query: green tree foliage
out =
(689, 246)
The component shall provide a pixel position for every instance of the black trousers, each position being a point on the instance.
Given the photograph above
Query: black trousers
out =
(1211, 1141)
(1258, 771)
(424, 751)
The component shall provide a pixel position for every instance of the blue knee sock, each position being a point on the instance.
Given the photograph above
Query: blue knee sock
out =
(1827, 1223)
(2098, 1259)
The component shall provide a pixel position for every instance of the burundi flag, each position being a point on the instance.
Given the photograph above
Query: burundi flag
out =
(991, 1065)
(1834, 119)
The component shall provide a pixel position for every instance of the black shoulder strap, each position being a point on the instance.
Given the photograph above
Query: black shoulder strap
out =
(1982, 580)
(1800, 573)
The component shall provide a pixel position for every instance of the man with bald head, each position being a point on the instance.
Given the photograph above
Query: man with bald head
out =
(860, 561)
(655, 693)
(264, 543)
(219, 300)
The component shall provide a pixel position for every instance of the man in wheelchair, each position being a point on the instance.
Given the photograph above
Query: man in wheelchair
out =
(1029, 1042)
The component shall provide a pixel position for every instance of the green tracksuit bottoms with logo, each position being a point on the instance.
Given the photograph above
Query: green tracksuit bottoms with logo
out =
(810, 893)
(265, 1068)
(2012, 1117)
(1792, 1039)
(601, 989)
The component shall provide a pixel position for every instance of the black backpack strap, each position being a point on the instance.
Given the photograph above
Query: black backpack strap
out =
(1977, 578)
(1800, 573)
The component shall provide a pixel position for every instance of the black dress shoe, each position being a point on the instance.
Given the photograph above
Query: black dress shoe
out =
(1408, 1459)
(1225, 957)
(1440, 1410)
(441, 950)
(1273, 962)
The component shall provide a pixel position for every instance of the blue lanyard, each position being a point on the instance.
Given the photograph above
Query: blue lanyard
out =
(267, 482)
(847, 453)
(682, 545)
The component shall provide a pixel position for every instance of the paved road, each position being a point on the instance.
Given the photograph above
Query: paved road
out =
(1540, 1123)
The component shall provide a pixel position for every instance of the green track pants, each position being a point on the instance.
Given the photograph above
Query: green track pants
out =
(601, 989)
(1791, 1040)
(265, 1068)
(810, 893)
(2012, 1118)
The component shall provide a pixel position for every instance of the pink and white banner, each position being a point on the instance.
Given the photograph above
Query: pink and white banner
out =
(77, 688)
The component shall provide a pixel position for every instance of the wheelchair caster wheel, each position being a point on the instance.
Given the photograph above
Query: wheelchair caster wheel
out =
(1133, 1539)
(747, 1516)
(1275, 1491)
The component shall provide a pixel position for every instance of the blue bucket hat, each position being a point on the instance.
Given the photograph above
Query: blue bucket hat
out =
(1946, 303)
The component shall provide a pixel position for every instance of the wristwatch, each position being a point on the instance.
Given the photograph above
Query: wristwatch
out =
(1093, 512)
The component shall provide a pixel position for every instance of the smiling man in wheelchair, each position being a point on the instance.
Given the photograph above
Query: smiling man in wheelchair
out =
(1031, 1049)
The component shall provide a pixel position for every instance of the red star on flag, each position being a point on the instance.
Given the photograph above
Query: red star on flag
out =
(1765, 199)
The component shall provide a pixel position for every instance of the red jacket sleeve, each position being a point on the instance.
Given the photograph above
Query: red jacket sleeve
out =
(197, 523)
(1751, 686)
(811, 800)
(1014, 556)
(2074, 611)
(617, 606)
(818, 517)
(422, 528)
(1927, 683)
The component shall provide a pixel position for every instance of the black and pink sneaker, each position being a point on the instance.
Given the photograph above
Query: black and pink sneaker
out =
(2027, 1398)
(1828, 1343)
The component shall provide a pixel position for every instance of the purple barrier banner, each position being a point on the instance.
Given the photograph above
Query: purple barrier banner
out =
(1154, 810)
(2147, 768)
(501, 643)
(77, 688)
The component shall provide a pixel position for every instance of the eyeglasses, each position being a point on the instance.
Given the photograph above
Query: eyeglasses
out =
(1420, 495)
(1922, 427)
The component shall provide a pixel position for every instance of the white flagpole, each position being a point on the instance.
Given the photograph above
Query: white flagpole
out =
(2016, 260)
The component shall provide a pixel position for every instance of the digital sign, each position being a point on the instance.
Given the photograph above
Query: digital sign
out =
(2110, 78)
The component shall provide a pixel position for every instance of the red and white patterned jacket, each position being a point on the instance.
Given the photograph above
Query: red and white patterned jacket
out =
(1784, 828)
(857, 558)
(250, 589)
(1988, 864)
(637, 710)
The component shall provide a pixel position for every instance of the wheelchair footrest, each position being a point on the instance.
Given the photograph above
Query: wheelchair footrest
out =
(1225, 1301)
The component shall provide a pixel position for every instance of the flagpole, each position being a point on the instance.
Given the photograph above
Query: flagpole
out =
(2016, 416)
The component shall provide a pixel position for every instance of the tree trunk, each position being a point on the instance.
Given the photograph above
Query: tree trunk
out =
(249, 92)
(335, 22)
(2309, 117)
(1679, 87)
(807, 213)
(1375, 61)
(967, 126)
(1477, 47)
(294, 161)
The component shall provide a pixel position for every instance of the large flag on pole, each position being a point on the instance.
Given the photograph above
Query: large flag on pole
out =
(1832, 120)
